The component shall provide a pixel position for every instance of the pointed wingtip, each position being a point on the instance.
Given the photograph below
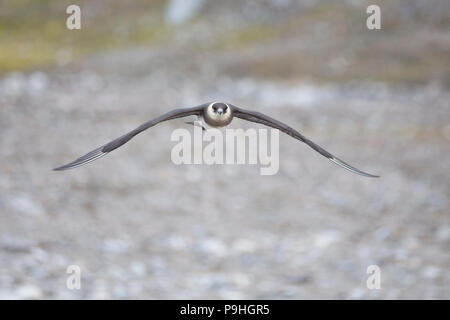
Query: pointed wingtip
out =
(62, 168)
(350, 168)
(89, 157)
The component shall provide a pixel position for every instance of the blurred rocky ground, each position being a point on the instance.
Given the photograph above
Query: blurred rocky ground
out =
(141, 227)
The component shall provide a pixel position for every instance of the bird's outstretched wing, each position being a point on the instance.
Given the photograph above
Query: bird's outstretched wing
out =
(259, 117)
(110, 146)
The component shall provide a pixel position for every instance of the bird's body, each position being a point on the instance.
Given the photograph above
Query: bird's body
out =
(216, 115)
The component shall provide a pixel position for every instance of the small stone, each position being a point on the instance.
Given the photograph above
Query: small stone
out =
(327, 238)
(37, 82)
(357, 293)
(430, 272)
(443, 233)
(215, 247)
(115, 246)
(176, 243)
(244, 245)
(138, 268)
(29, 291)
(180, 11)
(24, 204)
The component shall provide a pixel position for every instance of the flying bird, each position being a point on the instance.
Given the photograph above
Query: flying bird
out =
(215, 114)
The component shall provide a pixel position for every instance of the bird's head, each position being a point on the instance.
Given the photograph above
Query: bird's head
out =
(218, 114)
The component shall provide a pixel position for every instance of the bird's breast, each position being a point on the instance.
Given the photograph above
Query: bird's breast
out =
(216, 120)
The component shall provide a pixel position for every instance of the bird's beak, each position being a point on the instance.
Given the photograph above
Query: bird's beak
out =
(220, 111)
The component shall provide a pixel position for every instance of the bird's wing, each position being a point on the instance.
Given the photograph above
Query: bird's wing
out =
(110, 146)
(259, 117)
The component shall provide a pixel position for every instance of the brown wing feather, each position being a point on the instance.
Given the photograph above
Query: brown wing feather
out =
(110, 146)
(259, 117)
